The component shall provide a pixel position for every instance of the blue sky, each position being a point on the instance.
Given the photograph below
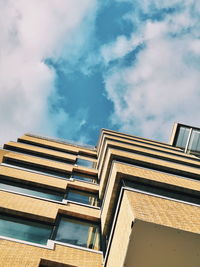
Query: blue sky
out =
(70, 68)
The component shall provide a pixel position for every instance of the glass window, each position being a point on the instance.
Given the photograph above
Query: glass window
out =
(35, 167)
(78, 232)
(82, 197)
(84, 177)
(194, 143)
(24, 229)
(29, 190)
(85, 163)
(182, 137)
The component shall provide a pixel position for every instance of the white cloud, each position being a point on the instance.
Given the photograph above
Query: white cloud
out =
(119, 48)
(30, 32)
(163, 83)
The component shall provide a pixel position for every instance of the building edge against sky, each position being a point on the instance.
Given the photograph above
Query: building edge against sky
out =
(130, 201)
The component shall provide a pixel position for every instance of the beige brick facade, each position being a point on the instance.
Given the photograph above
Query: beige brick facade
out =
(123, 211)
(18, 255)
(45, 151)
(165, 212)
(122, 233)
(42, 209)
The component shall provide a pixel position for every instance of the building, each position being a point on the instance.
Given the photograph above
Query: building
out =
(130, 202)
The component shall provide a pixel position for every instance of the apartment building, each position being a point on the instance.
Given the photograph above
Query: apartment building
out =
(129, 201)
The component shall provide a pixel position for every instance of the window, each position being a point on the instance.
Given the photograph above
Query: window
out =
(35, 167)
(82, 197)
(188, 138)
(78, 232)
(182, 137)
(85, 163)
(194, 143)
(84, 177)
(30, 190)
(24, 229)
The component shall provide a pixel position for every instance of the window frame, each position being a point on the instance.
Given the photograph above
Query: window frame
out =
(24, 221)
(79, 220)
(93, 178)
(82, 159)
(30, 186)
(82, 191)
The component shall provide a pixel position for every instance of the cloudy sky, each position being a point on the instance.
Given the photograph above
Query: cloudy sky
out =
(69, 68)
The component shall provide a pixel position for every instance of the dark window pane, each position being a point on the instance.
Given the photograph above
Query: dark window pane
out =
(28, 190)
(182, 137)
(80, 233)
(84, 177)
(24, 229)
(49, 263)
(82, 197)
(35, 167)
(85, 163)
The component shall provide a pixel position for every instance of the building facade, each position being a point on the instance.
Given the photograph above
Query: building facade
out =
(129, 201)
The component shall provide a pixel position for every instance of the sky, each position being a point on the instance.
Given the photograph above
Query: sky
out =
(70, 68)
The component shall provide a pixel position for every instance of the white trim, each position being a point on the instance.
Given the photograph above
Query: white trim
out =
(188, 140)
(113, 225)
(77, 247)
(50, 244)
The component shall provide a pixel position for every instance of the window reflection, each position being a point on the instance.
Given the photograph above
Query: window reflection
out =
(82, 197)
(188, 139)
(84, 177)
(85, 163)
(194, 143)
(78, 232)
(182, 137)
(29, 190)
(23, 229)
